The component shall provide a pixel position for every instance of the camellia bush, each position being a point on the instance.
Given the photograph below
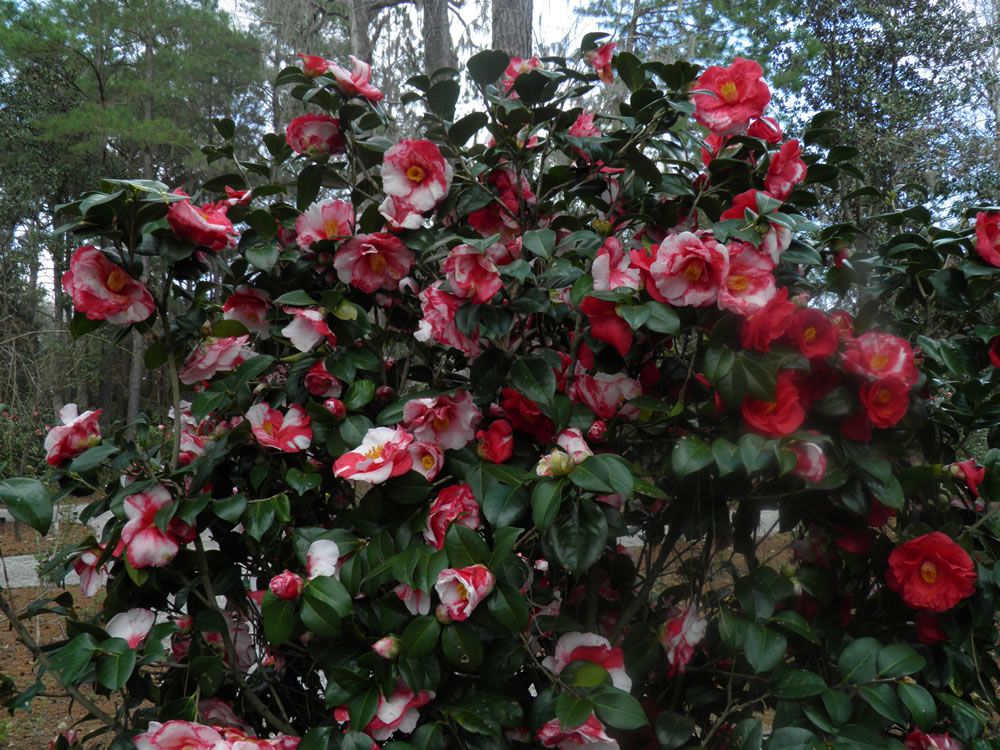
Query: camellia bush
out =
(473, 434)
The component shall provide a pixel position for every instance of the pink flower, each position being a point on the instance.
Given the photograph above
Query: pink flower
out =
(373, 261)
(132, 626)
(219, 713)
(286, 585)
(207, 226)
(606, 393)
(876, 356)
(988, 237)
(336, 407)
(689, 270)
(77, 433)
(455, 504)
(398, 712)
(215, 355)
(447, 421)
(321, 384)
(314, 65)
(290, 432)
(323, 559)
(811, 463)
(571, 440)
(416, 172)
(462, 590)
(399, 214)
(612, 269)
(516, 67)
(496, 444)
(600, 61)
(324, 220)
(680, 635)
(591, 733)
(438, 324)
(472, 275)
(92, 577)
(428, 459)
(383, 453)
(388, 647)
(416, 601)
(738, 95)
(315, 135)
(776, 240)
(767, 129)
(148, 546)
(178, 735)
(750, 282)
(917, 740)
(104, 290)
(249, 306)
(356, 83)
(786, 170)
(307, 328)
(583, 126)
(593, 648)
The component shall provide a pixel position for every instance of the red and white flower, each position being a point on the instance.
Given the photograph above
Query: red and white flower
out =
(388, 647)
(324, 220)
(355, 82)
(777, 238)
(287, 585)
(447, 421)
(147, 546)
(600, 60)
(323, 559)
(875, 356)
(554, 464)
(428, 459)
(810, 461)
(593, 648)
(438, 324)
(383, 454)
(315, 135)
(399, 214)
(455, 504)
(612, 269)
(178, 735)
(583, 126)
(250, 307)
(689, 270)
(917, 740)
(215, 355)
(516, 67)
(416, 601)
(132, 626)
(321, 384)
(92, 577)
(749, 284)
(314, 65)
(591, 733)
(472, 275)
(288, 432)
(206, 225)
(307, 328)
(767, 129)
(571, 440)
(461, 590)
(77, 433)
(786, 170)
(737, 95)
(502, 215)
(103, 290)
(373, 261)
(606, 393)
(680, 635)
(415, 171)
(397, 713)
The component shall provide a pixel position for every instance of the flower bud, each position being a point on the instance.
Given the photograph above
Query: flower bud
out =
(387, 648)
(601, 226)
(555, 464)
(286, 585)
(384, 393)
(346, 311)
(598, 430)
(442, 615)
(336, 407)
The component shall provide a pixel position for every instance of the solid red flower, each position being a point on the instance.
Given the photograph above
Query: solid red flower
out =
(525, 416)
(496, 444)
(606, 324)
(885, 401)
(767, 129)
(738, 95)
(768, 324)
(814, 333)
(781, 416)
(988, 237)
(931, 572)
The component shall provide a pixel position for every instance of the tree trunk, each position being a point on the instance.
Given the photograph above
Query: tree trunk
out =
(439, 52)
(360, 16)
(512, 27)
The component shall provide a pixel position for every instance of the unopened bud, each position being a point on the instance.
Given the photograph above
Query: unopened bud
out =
(442, 615)
(387, 648)
(346, 311)
(384, 393)
(286, 585)
(555, 464)
(336, 407)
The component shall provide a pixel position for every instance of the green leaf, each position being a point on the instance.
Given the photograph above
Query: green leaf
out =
(354, 428)
(504, 505)
(513, 475)
(509, 607)
(920, 704)
(726, 456)
(359, 393)
(618, 709)
(797, 683)
(572, 711)
(790, 738)
(258, 518)
(262, 258)
(487, 66)
(278, 616)
(301, 481)
(838, 706)
(442, 97)
(546, 497)
(673, 730)
(325, 602)
(230, 508)
(604, 474)
(115, 666)
(755, 452)
(361, 708)
(92, 458)
(81, 325)
(540, 242)
(462, 646)
(296, 298)
(534, 378)
(28, 501)
(883, 699)
(578, 536)
(420, 637)
(763, 648)
(662, 319)
(898, 659)
(748, 734)
(465, 547)
(630, 69)
(690, 454)
(732, 628)
(504, 541)
(207, 402)
(70, 660)
(792, 620)
(858, 662)
(308, 184)
(960, 707)
(585, 674)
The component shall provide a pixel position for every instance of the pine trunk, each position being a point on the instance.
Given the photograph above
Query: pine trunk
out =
(512, 27)
(439, 52)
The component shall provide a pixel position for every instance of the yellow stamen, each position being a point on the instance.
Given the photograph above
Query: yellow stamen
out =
(928, 571)
(377, 263)
(415, 174)
(884, 396)
(374, 452)
(737, 283)
(440, 423)
(809, 334)
(428, 462)
(879, 361)
(116, 280)
(268, 428)
(463, 592)
(730, 95)
(332, 228)
(693, 271)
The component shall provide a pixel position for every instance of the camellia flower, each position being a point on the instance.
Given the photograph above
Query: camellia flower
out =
(590, 734)
(178, 735)
(600, 60)
(383, 453)
(768, 324)
(516, 67)
(399, 214)
(885, 401)
(814, 333)
(314, 65)
(103, 290)
(781, 416)
(571, 440)
(525, 416)
(438, 323)
(132, 626)
(593, 648)
(307, 328)
(215, 355)
(323, 559)
(315, 135)
(415, 171)
(77, 433)
(397, 713)
(767, 129)
(324, 220)
(501, 216)
(206, 225)
(931, 572)
(973, 475)
(777, 238)
(786, 170)
(288, 432)
(612, 269)
(373, 261)
(287, 585)
(927, 626)
(388, 647)
(917, 740)
(680, 635)
(321, 384)
(447, 421)
(356, 82)
(455, 504)
(416, 601)
(496, 444)
(810, 461)
(750, 282)
(555, 464)
(988, 237)
(461, 590)
(147, 546)
(472, 275)
(606, 324)
(606, 393)
(738, 95)
(250, 307)
(428, 459)
(875, 356)
(92, 577)
(583, 127)
(219, 713)
(688, 270)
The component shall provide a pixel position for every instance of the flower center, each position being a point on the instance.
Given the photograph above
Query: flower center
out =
(116, 280)
(441, 423)
(928, 571)
(809, 334)
(332, 228)
(463, 592)
(879, 361)
(377, 263)
(729, 93)
(268, 427)
(884, 396)
(415, 174)
(737, 283)
(693, 271)
(771, 406)
(374, 452)
(428, 462)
